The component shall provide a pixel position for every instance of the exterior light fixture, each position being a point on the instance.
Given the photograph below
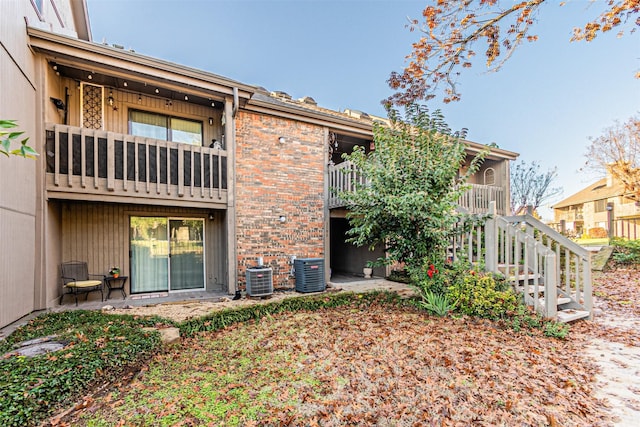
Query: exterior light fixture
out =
(110, 100)
(90, 76)
(139, 99)
(157, 90)
(210, 121)
(282, 140)
(186, 98)
(125, 84)
(282, 219)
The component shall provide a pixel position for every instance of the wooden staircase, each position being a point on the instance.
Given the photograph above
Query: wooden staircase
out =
(551, 272)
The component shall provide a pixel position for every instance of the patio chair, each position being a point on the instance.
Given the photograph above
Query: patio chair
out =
(77, 280)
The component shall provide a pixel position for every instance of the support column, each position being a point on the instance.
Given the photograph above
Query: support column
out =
(491, 240)
(327, 215)
(230, 145)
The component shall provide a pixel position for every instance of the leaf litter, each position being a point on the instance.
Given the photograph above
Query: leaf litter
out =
(383, 365)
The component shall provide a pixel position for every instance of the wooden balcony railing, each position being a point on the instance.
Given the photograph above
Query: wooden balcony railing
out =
(345, 176)
(477, 199)
(89, 164)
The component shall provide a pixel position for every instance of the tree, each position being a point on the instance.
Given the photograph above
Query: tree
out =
(409, 202)
(8, 137)
(452, 30)
(617, 151)
(530, 187)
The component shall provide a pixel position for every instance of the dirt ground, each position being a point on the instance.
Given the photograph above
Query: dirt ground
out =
(180, 311)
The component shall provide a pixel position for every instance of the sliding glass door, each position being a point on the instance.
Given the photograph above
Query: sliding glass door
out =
(166, 254)
(186, 254)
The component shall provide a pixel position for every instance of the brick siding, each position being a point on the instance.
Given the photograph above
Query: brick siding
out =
(275, 179)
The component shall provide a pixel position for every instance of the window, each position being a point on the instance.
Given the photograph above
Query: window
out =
(600, 205)
(159, 126)
(489, 176)
(37, 5)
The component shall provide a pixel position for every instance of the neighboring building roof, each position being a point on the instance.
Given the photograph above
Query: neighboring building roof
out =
(596, 191)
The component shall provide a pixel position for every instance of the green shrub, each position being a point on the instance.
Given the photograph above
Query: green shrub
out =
(100, 347)
(525, 317)
(480, 295)
(626, 251)
(438, 277)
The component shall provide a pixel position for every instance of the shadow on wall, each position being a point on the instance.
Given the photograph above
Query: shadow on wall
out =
(347, 258)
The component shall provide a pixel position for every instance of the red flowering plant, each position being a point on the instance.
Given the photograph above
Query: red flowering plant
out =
(431, 278)
(432, 270)
(438, 277)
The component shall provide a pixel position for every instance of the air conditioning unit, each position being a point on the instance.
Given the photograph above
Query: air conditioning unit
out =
(309, 274)
(259, 281)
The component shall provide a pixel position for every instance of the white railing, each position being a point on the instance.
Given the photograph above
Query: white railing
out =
(89, 163)
(534, 258)
(476, 200)
(344, 177)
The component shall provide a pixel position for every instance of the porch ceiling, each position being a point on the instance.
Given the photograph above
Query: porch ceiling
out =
(138, 84)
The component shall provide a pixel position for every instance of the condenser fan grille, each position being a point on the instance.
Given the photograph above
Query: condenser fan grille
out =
(259, 281)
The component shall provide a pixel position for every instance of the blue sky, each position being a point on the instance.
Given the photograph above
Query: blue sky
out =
(550, 97)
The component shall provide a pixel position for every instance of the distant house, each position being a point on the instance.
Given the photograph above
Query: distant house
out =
(599, 210)
(181, 177)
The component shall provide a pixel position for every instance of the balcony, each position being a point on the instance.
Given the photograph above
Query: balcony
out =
(86, 164)
(345, 176)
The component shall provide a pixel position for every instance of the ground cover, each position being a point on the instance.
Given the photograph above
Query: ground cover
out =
(355, 365)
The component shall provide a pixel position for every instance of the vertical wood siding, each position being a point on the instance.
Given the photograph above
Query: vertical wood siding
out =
(98, 233)
(116, 117)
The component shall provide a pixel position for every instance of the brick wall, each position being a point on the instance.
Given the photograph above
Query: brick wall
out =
(275, 179)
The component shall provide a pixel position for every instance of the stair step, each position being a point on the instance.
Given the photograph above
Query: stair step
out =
(561, 300)
(569, 315)
(522, 277)
(532, 289)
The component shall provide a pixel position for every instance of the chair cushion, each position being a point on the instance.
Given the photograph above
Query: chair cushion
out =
(84, 284)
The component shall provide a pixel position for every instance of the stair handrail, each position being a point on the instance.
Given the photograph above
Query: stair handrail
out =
(565, 241)
(582, 298)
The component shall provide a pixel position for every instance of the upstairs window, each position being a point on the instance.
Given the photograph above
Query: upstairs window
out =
(600, 205)
(489, 176)
(160, 126)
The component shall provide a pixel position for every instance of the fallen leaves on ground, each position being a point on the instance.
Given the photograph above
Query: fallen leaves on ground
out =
(617, 297)
(618, 291)
(349, 366)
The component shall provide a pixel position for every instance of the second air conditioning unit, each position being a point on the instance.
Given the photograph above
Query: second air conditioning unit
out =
(309, 274)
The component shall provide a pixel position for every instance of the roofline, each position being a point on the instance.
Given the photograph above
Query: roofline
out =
(123, 63)
(494, 152)
(332, 121)
(104, 55)
(567, 202)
